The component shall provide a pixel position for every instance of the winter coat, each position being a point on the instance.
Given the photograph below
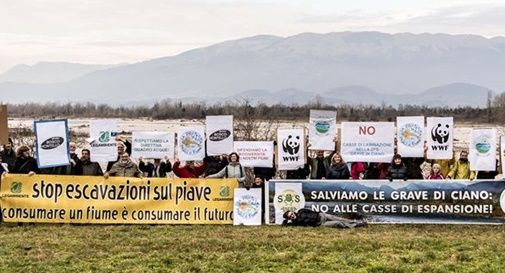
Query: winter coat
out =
(306, 218)
(186, 172)
(397, 172)
(437, 176)
(265, 173)
(356, 169)
(91, 168)
(413, 167)
(339, 171)
(461, 170)
(233, 170)
(128, 169)
(313, 162)
(162, 170)
(9, 158)
(25, 165)
(300, 173)
(214, 165)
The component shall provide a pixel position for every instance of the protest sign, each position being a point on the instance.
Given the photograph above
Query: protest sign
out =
(290, 148)
(255, 153)
(117, 200)
(153, 145)
(247, 207)
(103, 140)
(51, 138)
(440, 137)
(482, 154)
(191, 143)
(219, 131)
(322, 130)
(367, 141)
(398, 202)
(410, 136)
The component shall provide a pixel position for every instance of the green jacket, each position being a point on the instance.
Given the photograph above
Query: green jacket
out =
(128, 169)
(313, 166)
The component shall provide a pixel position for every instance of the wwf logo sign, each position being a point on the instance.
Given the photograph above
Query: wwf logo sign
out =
(291, 145)
(440, 133)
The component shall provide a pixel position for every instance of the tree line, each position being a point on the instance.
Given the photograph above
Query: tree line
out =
(244, 110)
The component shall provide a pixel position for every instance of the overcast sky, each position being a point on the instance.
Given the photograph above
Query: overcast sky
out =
(118, 31)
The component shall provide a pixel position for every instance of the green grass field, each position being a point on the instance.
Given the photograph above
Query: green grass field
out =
(145, 248)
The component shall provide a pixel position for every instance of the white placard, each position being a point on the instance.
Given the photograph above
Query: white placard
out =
(322, 130)
(368, 141)
(410, 136)
(52, 143)
(247, 207)
(482, 155)
(156, 145)
(288, 197)
(440, 134)
(290, 149)
(219, 131)
(255, 153)
(103, 145)
(191, 143)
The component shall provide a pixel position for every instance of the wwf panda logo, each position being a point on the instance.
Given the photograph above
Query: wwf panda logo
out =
(291, 145)
(440, 133)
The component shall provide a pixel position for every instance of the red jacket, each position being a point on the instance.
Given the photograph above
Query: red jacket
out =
(438, 176)
(356, 169)
(186, 172)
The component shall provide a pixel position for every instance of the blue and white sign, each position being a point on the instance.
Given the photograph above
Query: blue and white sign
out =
(247, 207)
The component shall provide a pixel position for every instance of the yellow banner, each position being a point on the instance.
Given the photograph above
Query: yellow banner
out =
(117, 200)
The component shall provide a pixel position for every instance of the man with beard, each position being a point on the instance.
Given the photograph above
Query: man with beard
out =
(461, 168)
(124, 168)
(89, 168)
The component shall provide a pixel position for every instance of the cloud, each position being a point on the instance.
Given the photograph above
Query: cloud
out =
(469, 19)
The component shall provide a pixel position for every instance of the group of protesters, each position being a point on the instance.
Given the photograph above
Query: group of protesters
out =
(324, 165)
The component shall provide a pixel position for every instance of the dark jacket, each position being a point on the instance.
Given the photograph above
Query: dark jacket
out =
(150, 169)
(25, 165)
(339, 171)
(305, 218)
(265, 173)
(413, 166)
(91, 168)
(300, 173)
(314, 163)
(214, 165)
(397, 172)
(9, 158)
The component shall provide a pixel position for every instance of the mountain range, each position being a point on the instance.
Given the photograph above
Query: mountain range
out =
(334, 68)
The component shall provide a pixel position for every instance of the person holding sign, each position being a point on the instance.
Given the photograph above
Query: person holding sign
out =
(190, 170)
(233, 170)
(89, 168)
(124, 168)
(338, 169)
(461, 168)
(157, 169)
